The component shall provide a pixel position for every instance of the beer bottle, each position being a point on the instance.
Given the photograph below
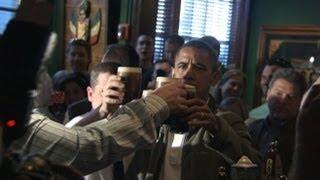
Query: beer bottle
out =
(222, 174)
(270, 160)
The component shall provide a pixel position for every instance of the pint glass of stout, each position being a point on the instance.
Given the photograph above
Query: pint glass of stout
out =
(131, 77)
(191, 90)
(146, 92)
(160, 81)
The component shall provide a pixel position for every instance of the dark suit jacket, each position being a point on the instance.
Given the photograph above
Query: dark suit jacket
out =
(263, 132)
(78, 108)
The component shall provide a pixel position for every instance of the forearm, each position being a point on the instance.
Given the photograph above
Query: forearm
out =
(90, 117)
(99, 144)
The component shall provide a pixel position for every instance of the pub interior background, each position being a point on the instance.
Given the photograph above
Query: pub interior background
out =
(250, 33)
(243, 19)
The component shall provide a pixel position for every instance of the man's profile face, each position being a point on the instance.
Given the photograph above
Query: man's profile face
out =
(95, 93)
(265, 77)
(144, 47)
(78, 58)
(283, 99)
(170, 50)
(194, 67)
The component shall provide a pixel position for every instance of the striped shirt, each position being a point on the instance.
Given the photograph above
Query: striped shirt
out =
(98, 144)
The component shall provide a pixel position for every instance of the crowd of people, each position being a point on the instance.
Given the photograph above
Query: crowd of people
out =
(79, 125)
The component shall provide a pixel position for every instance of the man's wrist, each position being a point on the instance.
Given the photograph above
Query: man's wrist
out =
(158, 108)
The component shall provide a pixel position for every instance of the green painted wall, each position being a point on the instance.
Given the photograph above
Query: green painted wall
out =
(126, 11)
(274, 12)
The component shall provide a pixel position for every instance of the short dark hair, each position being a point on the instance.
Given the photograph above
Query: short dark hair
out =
(292, 76)
(175, 39)
(122, 54)
(81, 79)
(279, 62)
(105, 67)
(204, 46)
(79, 42)
(212, 42)
(147, 35)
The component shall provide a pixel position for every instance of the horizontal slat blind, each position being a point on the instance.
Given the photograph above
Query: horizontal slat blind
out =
(199, 18)
(207, 17)
(164, 19)
(7, 11)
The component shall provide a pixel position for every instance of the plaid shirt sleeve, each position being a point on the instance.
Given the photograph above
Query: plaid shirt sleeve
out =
(99, 144)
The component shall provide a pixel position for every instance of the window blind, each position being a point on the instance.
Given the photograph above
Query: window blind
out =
(198, 18)
(163, 24)
(7, 11)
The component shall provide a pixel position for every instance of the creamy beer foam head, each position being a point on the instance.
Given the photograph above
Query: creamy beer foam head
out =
(123, 69)
(160, 81)
(131, 77)
(191, 91)
(146, 92)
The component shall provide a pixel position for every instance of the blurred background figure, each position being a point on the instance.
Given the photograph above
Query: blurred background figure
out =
(269, 69)
(171, 47)
(235, 105)
(162, 68)
(120, 54)
(284, 95)
(232, 84)
(67, 90)
(212, 42)
(78, 55)
(215, 45)
(145, 48)
(78, 58)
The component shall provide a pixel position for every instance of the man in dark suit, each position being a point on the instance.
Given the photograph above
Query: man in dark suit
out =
(123, 55)
(286, 89)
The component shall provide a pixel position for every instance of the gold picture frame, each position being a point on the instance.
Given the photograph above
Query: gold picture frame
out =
(294, 43)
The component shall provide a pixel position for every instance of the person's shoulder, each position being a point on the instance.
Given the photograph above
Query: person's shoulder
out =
(229, 116)
(61, 73)
(40, 114)
(255, 125)
(78, 108)
(81, 103)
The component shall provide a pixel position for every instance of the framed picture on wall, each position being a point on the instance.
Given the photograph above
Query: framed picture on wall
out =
(300, 45)
(87, 20)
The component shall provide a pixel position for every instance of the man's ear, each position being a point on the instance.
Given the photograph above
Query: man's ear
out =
(268, 94)
(89, 93)
(172, 72)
